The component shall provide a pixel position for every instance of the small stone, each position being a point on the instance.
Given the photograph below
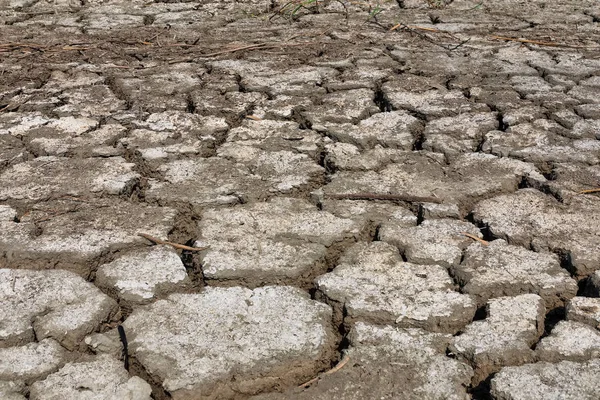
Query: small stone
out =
(105, 343)
(438, 211)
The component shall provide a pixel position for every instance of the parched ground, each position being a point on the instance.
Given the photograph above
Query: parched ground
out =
(368, 200)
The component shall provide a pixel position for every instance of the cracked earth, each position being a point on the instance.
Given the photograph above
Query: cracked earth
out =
(387, 201)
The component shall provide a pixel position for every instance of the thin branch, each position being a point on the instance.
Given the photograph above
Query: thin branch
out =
(480, 240)
(539, 43)
(378, 196)
(587, 191)
(259, 46)
(331, 371)
(176, 245)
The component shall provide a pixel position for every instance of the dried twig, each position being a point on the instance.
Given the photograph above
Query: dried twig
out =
(125, 351)
(480, 240)
(331, 371)
(378, 196)
(589, 191)
(401, 25)
(253, 117)
(415, 30)
(259, 46)
(176, 245)
(16, 45)
(539, 43)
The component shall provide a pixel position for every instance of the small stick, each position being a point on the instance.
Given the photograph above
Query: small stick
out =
(480, 240)
(331, 371)
(176, 245)
(253, 117)
(249, 47)
(552, 44)
(401, 25)
(589, 191)
(377, 196)
(125, 351)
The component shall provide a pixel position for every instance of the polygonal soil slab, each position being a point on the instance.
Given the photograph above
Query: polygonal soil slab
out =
(460, 134)
(430, 103)
(52, 177)
(141, 275)
(500, 269)
(565, 380)
(32, 361)
(469, 178)
(346, 106)
(11, 390)
(286, 170)
(278, 241)
(532, 219)
(96, 101)
(57, 141)
(373, 284)
(435, 241)
(585, 310)
(225, 342)
(50, 304)
(538, 142)
(390, 363)
(244, 173)
(568, 179)
(102, 378)
(173, 134)
(396, 129)
(348, 157)
(368, 213)
(12, 151)
(73, 234)
(301, 81)
(158, 89)
(271, 135)
(505, 337)
(19, 123)
(571, 341)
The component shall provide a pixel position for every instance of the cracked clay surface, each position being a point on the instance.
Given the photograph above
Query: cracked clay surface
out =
(261, 199)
